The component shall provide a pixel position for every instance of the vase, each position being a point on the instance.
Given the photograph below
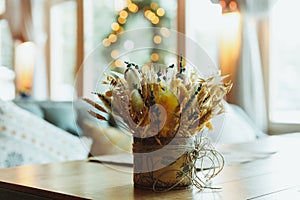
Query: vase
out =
(163, 167)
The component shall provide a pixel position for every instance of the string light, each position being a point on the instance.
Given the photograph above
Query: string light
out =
(133, 7)
(164, 32)
(121, 20)
(114, 53)
(157, 39)
(154, 5)
(123, 14)
(153, 15)
(120, 30)
(106, 42)
(160, 12)
(115, 26)
(154, 57)
(146, 13)
(112, 38)
(155, 20)
(150, 15)
(119, 62)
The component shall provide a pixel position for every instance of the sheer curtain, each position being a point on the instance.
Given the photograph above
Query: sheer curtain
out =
(250, 89)
(27, 23)
(40, 82)
(18, 15)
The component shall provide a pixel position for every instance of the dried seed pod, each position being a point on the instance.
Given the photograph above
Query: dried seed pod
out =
(133, 79)
(96, 115)
(97, 106)
(109, 93)
(136, 101)
(183, 93)
(105, 100)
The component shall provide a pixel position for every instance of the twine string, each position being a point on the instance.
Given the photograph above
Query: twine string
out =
(203, 151)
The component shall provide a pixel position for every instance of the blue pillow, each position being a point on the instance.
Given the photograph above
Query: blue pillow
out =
(62, 115)
(31, 106)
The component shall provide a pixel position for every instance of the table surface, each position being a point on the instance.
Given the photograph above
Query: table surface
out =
(274, 177)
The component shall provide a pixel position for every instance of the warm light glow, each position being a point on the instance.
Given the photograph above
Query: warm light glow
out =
(121, 29)
(114, 54)
(119, 63)
(123, 14)
(157, 39)
(230, 27)
(165, 32)
(230, 43)
(106, 42)
(115, 26)
(160, 12)
(150, 15)
(133, 7)
(154, 5)
(233, 5)
(121, 20)
(154, 57)
(155, 20)
(146, 13)
(25, 56)
(112, 38)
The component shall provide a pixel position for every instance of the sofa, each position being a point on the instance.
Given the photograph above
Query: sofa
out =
(234, 126)
(73, 117)
(35, 132)
(27, 139)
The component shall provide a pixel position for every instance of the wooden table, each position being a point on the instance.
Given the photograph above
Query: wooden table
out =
(274, 177)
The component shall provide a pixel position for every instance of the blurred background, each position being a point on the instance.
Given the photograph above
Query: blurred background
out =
(44, 42)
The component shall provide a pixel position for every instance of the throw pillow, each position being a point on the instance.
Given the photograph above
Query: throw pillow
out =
(233, 126)
(31, 106)
(62, 115)
(107, 140)
(35, 136)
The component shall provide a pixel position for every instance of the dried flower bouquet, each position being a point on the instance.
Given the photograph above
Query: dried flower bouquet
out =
(157, 102)
(164, 108)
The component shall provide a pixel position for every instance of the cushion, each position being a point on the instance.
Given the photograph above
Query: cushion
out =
(16, 153)
(30, 139)
(107, 140)
(62, 115)
(233, 126)
(32, 107)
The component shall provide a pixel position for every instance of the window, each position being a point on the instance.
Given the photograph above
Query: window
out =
(285, 62)
(75, 27)
(63, 46)
(104, 20)
(205, 29)
(6, 42)
(284, 70)
(6, 47)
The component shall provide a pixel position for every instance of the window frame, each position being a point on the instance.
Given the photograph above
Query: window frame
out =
(79, 44)
(274, 128)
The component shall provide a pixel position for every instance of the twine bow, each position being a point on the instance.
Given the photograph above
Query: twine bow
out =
(203, 153)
